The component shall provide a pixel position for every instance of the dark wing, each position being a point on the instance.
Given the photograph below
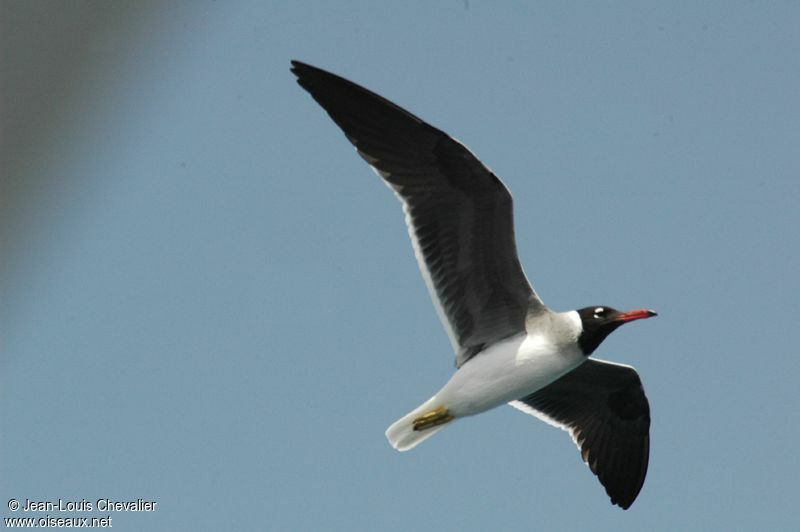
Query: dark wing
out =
(604, 408)
(459, 214)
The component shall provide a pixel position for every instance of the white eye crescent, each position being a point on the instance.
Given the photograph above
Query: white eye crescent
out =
(599, 311)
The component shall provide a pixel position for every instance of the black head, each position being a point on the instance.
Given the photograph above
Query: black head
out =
(599, 322)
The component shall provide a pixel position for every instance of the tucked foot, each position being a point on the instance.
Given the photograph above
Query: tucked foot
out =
(440, 416)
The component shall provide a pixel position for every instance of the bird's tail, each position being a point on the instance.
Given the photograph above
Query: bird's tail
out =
(418, 425)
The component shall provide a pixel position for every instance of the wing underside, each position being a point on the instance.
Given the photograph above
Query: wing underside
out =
(603, 407)
(459, 214)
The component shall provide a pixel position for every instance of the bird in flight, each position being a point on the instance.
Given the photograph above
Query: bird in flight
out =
(509, 346)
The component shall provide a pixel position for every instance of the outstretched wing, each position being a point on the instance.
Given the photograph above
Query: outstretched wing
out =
(603, 407)
(459, 214)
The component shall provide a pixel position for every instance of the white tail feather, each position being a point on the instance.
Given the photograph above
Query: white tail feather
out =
(401, 433)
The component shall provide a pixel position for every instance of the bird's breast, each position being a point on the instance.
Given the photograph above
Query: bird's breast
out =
(506, 371)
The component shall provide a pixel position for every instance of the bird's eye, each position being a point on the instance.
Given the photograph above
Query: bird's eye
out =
(599, 312)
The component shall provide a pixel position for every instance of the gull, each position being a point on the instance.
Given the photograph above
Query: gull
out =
(510, 348)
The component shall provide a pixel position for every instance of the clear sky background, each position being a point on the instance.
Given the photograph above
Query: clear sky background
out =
(209, 301)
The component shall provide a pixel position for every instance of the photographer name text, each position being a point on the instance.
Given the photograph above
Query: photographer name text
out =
(85, 505)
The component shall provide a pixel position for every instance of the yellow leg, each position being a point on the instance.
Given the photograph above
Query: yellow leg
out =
(440, 416)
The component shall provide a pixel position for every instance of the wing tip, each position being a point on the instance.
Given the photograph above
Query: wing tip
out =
(302, 71)
(298, 65)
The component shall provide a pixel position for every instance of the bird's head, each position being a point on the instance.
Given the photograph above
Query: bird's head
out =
(599, 322)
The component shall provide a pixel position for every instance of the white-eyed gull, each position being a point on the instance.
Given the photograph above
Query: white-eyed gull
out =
(510, 347)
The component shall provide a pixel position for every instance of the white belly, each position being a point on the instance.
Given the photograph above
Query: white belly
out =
(506, 371)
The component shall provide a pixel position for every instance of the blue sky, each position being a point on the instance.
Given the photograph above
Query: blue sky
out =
(209, 301)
